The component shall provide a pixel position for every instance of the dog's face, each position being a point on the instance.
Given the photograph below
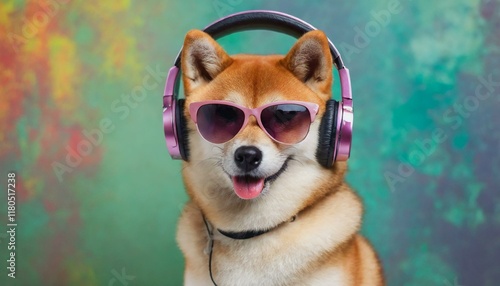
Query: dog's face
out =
(252, 172)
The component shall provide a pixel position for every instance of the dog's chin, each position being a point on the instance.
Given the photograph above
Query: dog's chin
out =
(248, 187)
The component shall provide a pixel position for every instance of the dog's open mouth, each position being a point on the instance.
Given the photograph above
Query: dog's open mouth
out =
(249, 187)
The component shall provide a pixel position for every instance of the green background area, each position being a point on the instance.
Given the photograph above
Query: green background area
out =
(425, 154)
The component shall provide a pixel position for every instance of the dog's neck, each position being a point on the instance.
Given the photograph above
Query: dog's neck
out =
(247, 234)
(243, 234)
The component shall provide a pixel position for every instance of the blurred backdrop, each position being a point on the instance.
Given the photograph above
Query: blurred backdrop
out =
(98, 196)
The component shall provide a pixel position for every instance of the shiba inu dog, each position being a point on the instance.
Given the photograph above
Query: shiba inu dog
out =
(262, 210)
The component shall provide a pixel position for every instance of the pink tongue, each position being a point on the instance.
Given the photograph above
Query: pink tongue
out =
(247, 187)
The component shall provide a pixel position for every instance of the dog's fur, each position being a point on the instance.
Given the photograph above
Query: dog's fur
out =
(321, 245)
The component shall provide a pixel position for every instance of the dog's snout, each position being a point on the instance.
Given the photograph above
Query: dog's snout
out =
(247, 158)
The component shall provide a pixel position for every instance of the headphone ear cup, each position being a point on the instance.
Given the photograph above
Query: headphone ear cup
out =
(181, 127)
(328, 135)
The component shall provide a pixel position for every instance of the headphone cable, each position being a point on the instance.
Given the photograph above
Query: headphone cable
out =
(210, 236)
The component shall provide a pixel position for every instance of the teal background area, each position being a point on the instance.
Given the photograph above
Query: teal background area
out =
(425, 155)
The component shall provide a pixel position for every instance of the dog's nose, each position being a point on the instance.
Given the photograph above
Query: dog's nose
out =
(247, 158)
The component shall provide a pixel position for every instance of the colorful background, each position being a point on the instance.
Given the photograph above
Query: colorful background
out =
(98, 196)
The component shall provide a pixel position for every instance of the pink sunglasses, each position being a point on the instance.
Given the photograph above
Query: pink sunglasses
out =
(285, 122)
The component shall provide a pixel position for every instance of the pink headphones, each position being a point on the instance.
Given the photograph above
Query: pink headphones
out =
(335, 129)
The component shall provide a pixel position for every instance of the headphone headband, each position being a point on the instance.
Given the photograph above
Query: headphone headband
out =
(255, 20)
(264, 20)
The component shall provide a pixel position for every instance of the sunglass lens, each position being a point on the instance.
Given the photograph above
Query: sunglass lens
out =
(219, 123)
(286, 123)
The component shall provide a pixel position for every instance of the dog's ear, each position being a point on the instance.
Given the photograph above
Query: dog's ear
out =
(202, 60)
(311, 62)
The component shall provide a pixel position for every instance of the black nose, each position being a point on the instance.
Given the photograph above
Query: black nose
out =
(247, 158)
